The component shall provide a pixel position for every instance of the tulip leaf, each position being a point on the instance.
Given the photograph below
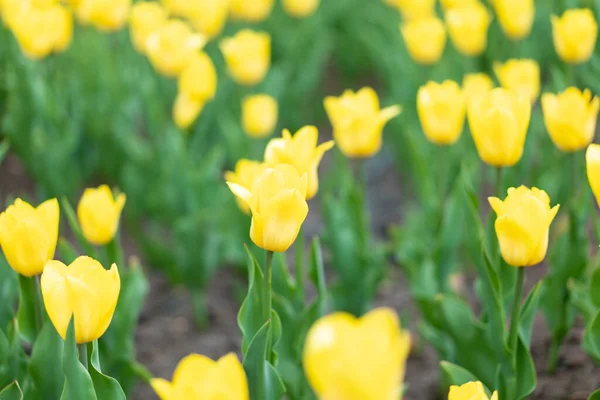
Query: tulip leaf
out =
(455, 374)
(9, 293)
(67, 251)
(317, 274)
(595, 395)
(528, 311)
(459, 318)
(76, 229)
(525, 375)
(78, 382)
(27, 313)
(11, 392)
(250, 318)
(591, 337)
(13, 361)
(493, 301)
(4, 146)
(105, 386)
(48, 348)
(595, 288)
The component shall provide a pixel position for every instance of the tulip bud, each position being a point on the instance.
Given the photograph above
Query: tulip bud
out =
(199, 77)
(209, 16)
(574, 35)
(99, 213)
(246, 172)
(186, 109)
(467, 27)
(441, 109)
(515, 16)
(146, 18)
(106, 15)
(251, 11)
(425, 39)
(522, 76)
(476, 84)
(592, 160)
(248, 56)
(470, 391)
(259, 115)
(300, 8)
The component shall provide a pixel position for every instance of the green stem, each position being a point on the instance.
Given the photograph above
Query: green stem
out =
(38, 303)
(300, 266)
(115, 253)
(498, 186)
(83, 354)
(267, 301)
(516, 312)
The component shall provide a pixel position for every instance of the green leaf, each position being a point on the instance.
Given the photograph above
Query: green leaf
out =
(528, 311)
(9, 293)
(595, 395)
(459, 318)
(525, 372)
(26, 314)
(595, 287)
(67, 251)
(13, 360)
(250, 318)
(105, 386)
(591, 337)
(317, 274)
(493, 303)
(88, 249)
(4, 146)
(48, 348)
(455, 374)
(11, 392)
(78, 382)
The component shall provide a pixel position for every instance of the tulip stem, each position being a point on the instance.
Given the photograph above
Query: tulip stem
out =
(498, 187)
(38, 303)
(516, 311)
(267, 301)
(115, 253)
(83, 355)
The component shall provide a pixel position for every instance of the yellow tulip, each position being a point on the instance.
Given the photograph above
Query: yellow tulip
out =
(179, 8)
(570, 118)
(470, 391)
(476, 84)
(302, 152)
(451, 4)
(358, 121)
(357, 358)
(171, 47)
(146, 18)
(106, 15)
(522, 76)
(28, 235)
(278, 204)
(99, 213)
(441, 109)
(246, 172)
(414, 9)
(85, 291)
(499, 120)
(522, 223)
(467, 27)
(199, 77)
(259, 115)
(575, 35)
(300, 8)
(251, 11)
(248, 56)
(592, 160)
(515, 16)
(197, 377)
(209, 16)
(186, 109)
(425, 39)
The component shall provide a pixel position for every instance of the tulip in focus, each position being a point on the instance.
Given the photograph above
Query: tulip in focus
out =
(522, 76)
(209, 16)
(515, 16)
(592, 160)
(197, 377)
(28, 235)
(441, 109)
(259, 115)
(467, 27)
(575, 35)
(570, 118)
(248, 56)
(251, 11)
(358, 121)
(98, 213)
(146, 17)
(357, 358)
(301, 151)
(85, 291)
(106, 15)
(199, 77)
(470, 391)
(425, 39)
(277, 201)
(300, 8)
(186, 109)
(246, 172)
(522, 223)
(476, 84)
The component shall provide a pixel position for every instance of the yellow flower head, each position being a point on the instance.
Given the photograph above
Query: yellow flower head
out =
(592, 160)
(197, 377)
(499, 120)
(278, 204)
(300, 8)
(186, 109)
(414, 9)
(259, 115)
(441, 108)
(248, 56)
(209, 16)
(358, 121)
(425, 39)
(476, 84)
(515, 16)
(522, 224)
(29, 235)
(85, 291)
(99, 213)
(575, 35)
(451, 4)
(522, 76)
(106, 15)
(179, 8)
(570, 118)
(246, 172)
(251, 11)
(470, 391)
(145, 19)
(199, 77)
(357, 358)
(302, 152)
(468, 27)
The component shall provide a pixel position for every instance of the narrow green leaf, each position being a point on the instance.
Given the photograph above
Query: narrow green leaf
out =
(595, 395)
(456, 375)
(591, 337)
(67, 251)
(48, 348)
(78, 382)
(249, 316)
(254, 359)
(317, 274)
(525, 375)
(11, 392)
(104, 386)
(76, 229)
(528, 311)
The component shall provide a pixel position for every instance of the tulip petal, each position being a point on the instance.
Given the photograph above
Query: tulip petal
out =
(243, 194)
(496, 204)
(163, 388)
(281, 219)
(56, 295)
(192, 369)
(233, 377)
(515, 242)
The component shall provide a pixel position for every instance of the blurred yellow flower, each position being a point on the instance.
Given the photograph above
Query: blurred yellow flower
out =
(145, 19)
(441, 109)
(357, 358)
(251, 11)
(414, 9)
(99, 213)
(186, 109)
(199, 77)
(85, 291)
(106, 15)
(515, 16)
(300, 8)
(522, 223)
(28, 235)
(470, 391)
(592, 160)
(468, 27)
(246, 172)
(197, 377)
(476, 84)
(179, 8)
(209, 16)
(450, 4)
(358, 121)
(425, 39)
(278, 204)
(259, 115)
(499, 120)
(575, 35)
(522, 76)
(301, 151)
(248, 56)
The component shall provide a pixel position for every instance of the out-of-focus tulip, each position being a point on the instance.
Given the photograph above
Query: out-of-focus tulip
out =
(301, 151)
(414, 9)
(28, 235)
(357, 358)
(209, 16)
(85, 291)
(251, 11)
(197, 377)
(145, 19)
(106, 15)
(199, 77)
(515, 16)
(358, 121)
(468, 27)
(278, 204)
(470, 391)
(575, 35)
(248, 56)
(186, 109)
(425, 39)
(476, 84)
(259, 115)
(99, 214)
(522, 223)
(246, 172)
(451, 4)
(592, 160)
(522, 76)
(441, 109)
(570, 118)
(179, 8)
(300, 8)
(499, 120)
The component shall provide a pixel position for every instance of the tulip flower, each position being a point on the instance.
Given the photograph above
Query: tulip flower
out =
(575, 35)
(106, 15)
(570, 118)
(451, 4)
(476, 84)
(522, 76)
(414, 9)
(99, 213)
(358, 121)
(592, 160)
(251, 11)
(515, 16)
(186, 109)
(198, 79)
(84, 291)
(197, 377)
(246, 172)
(277, 201)
(146, 18)
(259, 115)
(209, 16)
(356, 358)
(300, 8)
(248, 56)
(470, 391)
(499, 120)
(28, 235)
(179, 8)
(522, 223)
(302, 152)
(441, 109)
(467, 27)
(425, 39)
